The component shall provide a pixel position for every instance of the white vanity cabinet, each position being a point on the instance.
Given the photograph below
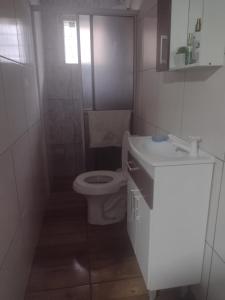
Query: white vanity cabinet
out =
(177, 19)
(167, 222)
(138, 226)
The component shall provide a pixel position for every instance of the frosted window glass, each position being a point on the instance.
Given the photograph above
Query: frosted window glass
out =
(113, 62)
(70, 42)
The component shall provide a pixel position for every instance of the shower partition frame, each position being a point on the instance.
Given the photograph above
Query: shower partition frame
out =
(88, 152)
(91, 14)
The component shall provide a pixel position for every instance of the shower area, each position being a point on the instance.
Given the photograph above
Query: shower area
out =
(89, 67)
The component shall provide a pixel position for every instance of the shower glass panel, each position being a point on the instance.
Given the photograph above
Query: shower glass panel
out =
(86, 63)
(113, 54)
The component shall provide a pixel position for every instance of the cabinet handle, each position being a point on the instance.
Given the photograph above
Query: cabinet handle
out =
(137, 217)
(133, 203)
(162, 39)
(130, 168)
(133, 207)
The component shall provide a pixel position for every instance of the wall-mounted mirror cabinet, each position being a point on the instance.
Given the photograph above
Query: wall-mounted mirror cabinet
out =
(190, 34)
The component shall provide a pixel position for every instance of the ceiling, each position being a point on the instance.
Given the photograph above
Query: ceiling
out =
(90, 4)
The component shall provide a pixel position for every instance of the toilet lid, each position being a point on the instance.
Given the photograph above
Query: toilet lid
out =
(99, 182)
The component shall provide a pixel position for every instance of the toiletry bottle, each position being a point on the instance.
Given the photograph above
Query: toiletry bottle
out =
(189, 49)
(196, 40)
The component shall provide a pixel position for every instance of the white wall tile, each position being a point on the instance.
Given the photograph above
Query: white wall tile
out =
(161, 131)
(146, 6)
(135, 124)
(220, 226)
(53, 36)
(148, 129)
(138, 126)
(29, 35)
(14, 97)
(141, 127)
(38, 177)
(76, 84)
(150, 95)
(139, 44)
(170, 101)
(217, 279)
(23, 173)
(38, 28)
(200, 291)
(63, 123)
(149, 40)
(59, 80)
(9, 210)
(63, 83)
(214, 201)
(4, 122)
(204, 107)
(31, 95)
(15, 271)
(139, 95)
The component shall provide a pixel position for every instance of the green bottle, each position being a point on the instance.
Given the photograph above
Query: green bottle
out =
(189, 49)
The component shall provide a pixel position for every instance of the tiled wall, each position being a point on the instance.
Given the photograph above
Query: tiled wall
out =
(63, 117)
(23, 189)
(187, 103)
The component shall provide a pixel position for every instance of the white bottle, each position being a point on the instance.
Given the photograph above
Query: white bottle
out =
(196, 41)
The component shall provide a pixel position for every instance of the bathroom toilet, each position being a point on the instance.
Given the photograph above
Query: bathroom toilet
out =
(105, 192)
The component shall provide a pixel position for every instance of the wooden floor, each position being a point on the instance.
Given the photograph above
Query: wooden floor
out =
(78, 261)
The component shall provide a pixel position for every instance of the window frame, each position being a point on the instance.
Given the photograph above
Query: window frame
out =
(74, 18)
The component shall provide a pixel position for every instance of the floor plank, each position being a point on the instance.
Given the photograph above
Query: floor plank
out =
(58, 227)
(131, 289)
(59, 267)
(63, 239)
(78, 293)
(108, 268)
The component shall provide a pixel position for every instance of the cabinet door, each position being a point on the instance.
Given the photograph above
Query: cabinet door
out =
(142, 238)
(131, 212)
(163, 35)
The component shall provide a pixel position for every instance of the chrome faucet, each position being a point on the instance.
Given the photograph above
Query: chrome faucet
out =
(192, 147)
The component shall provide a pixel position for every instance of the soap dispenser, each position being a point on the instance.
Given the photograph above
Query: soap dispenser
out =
(196, 41)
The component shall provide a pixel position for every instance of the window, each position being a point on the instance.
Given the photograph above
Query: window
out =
(85, 39)
(70, 42)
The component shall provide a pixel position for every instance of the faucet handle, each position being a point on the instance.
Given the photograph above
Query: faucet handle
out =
(195, 140)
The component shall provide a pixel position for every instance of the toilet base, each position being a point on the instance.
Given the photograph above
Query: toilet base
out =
(107, 209)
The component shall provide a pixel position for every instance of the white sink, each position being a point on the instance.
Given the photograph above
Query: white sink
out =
(164, 153)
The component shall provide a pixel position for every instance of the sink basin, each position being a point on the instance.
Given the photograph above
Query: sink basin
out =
(164, 153)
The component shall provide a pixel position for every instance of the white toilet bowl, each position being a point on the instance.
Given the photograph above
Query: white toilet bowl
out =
(106, 195)
(105, 192)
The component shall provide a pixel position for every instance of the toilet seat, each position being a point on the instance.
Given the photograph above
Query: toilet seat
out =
(99, 182)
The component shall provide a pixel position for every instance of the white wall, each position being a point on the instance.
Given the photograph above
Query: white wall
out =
(187, 103)
(23, 189)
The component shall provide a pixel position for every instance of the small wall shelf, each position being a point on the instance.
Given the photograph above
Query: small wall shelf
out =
(177, 20)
